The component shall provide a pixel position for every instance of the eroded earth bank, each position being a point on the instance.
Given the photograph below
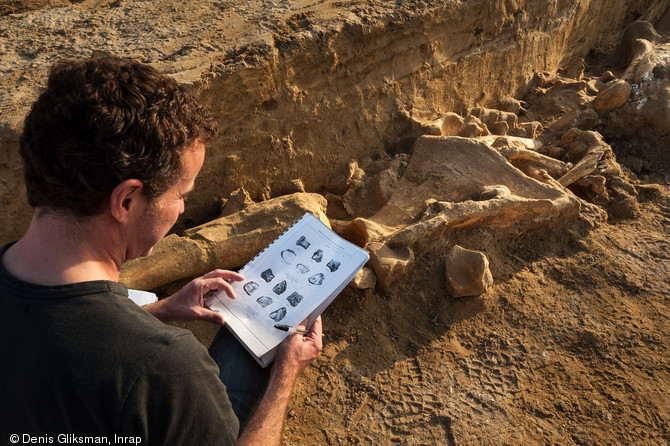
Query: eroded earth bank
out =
(505, 163)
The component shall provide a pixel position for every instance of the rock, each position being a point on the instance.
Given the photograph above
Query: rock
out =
(527, 129)
(237, 201)
(614, 95)
(512, 105)
(383, 184)
(452, 124)
(499, 128)
(474, 127)
(606, 77)
(467, 272)
(624, 206)
(574, 70)
(365, 279)
(495, 191)
(492, 119)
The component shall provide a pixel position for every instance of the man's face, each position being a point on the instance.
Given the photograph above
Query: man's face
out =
(162, 212)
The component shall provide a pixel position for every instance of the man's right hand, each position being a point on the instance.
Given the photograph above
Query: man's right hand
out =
(294, 354)
(298, 351)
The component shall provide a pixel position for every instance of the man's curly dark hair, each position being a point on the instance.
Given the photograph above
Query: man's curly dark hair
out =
(103, 120)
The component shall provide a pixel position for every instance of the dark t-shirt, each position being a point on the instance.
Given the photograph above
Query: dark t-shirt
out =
(84, 360)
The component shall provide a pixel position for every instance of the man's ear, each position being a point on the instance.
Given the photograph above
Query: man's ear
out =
(124, 197)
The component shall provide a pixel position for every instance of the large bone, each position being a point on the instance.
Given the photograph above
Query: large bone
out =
(502, 212)
(453, 171)
(228, 242)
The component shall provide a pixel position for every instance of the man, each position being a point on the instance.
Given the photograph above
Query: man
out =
(111, 150)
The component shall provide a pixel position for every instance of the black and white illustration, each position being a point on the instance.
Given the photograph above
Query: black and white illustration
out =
(278, 315)
(250, 287)
(333, 265)
(280, 287)
(294, 278)
(264, 301)
(302, 269)
(316, 279)
(302, 242)
(288, 256)
(318, 255)
(267, 275)
(294, 299)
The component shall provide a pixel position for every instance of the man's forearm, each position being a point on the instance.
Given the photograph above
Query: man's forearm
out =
(157, 310)
(266, 426)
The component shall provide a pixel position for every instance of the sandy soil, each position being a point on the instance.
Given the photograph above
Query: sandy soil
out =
(570, 346)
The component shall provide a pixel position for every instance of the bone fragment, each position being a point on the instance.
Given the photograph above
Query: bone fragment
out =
(553, 165)
(595, 213)
(586, 166)
(227, 242)
(390, 263)
(498, 141)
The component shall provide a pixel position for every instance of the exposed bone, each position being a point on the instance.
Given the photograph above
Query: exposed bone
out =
(637, 50)
(498, 141)
(586, 166)
(503, 212)
(596, 213)
(553, 165)
(451, 169)
(227, 242)
(495, 191)
(527, 129)
(533, 170)
(449, 173)
(579, 143)
(390, 263)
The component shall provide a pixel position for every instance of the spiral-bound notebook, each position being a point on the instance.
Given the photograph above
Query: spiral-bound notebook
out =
(295, 277)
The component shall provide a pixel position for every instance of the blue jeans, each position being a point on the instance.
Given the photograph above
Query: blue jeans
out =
(244, 379)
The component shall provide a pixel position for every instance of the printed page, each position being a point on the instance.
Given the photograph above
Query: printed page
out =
(306, 265)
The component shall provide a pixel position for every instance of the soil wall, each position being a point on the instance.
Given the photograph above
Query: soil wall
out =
(301, 90)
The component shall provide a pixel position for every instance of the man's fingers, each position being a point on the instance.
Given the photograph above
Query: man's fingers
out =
(210, 316)
(316, 330)
(224, 285)
(216, 283)
(224, 274)
(317, 327)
